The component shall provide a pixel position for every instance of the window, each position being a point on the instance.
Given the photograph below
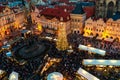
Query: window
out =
(61, 19)
(96, 29)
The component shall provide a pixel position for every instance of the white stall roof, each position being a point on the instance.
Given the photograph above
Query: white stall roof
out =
(55, 76)
(13, 76)
(92, 49)
(86, 74)
(8, 54)
(1, 72)
(101, 62)
(48, 37)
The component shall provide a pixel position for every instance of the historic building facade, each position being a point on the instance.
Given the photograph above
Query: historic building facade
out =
(107, 8)
(55, 23)
(19, 18)
(7, 21)
(77, 22)
(11, 20)
(109, 29)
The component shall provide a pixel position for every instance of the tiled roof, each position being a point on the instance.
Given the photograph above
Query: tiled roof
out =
(60, 14)
(68, 8)
(41, 7)
(78, 9)
(89, 10)
(2, 8)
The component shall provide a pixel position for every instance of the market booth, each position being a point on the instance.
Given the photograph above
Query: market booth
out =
(9, 54)
(13, 76)
(55, 76)
(26, 33)
(92, 49)
(86, 74)
(99, 62)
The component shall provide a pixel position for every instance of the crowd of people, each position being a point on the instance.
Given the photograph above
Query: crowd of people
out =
(112, 48)
(69, 63)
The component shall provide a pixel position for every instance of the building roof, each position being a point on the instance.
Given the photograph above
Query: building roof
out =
(67, 7)
(2, 8)
(116, 16)
(86, 3)
(60, 14)
(89, 10)
(41, 7)
(78, 9)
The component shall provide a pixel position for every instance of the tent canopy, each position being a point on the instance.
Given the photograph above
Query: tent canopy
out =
(86, 74)
(13, 76)
(55, 76)
(92, 49)
(101, 62)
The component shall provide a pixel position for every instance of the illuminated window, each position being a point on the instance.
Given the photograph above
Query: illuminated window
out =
(61, 19)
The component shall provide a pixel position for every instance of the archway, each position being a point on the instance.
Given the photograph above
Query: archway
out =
(78, 32)
(117, 39)
(110, 9)
(75, 32)
(107, 37)
(111, 37)
(91, 34)
(96, 35)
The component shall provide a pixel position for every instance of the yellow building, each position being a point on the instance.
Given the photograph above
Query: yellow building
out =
(107, 30)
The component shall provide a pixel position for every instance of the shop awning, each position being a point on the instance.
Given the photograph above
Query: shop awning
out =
(108, 39)
(90, 36)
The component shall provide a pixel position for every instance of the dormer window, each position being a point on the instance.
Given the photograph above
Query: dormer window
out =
(68, 17)
(65, 10)
(61, 19)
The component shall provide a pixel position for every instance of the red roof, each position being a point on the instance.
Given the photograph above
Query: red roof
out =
(56, 13)
(41, 7)
(90, 11)
(2, 8)
(68, 8)
(64, 1)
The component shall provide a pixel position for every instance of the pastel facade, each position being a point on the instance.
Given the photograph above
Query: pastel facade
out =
(77, 22)
(109, 29)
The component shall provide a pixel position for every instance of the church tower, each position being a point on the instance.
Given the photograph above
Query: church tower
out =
(106, 8)
(62, 43)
